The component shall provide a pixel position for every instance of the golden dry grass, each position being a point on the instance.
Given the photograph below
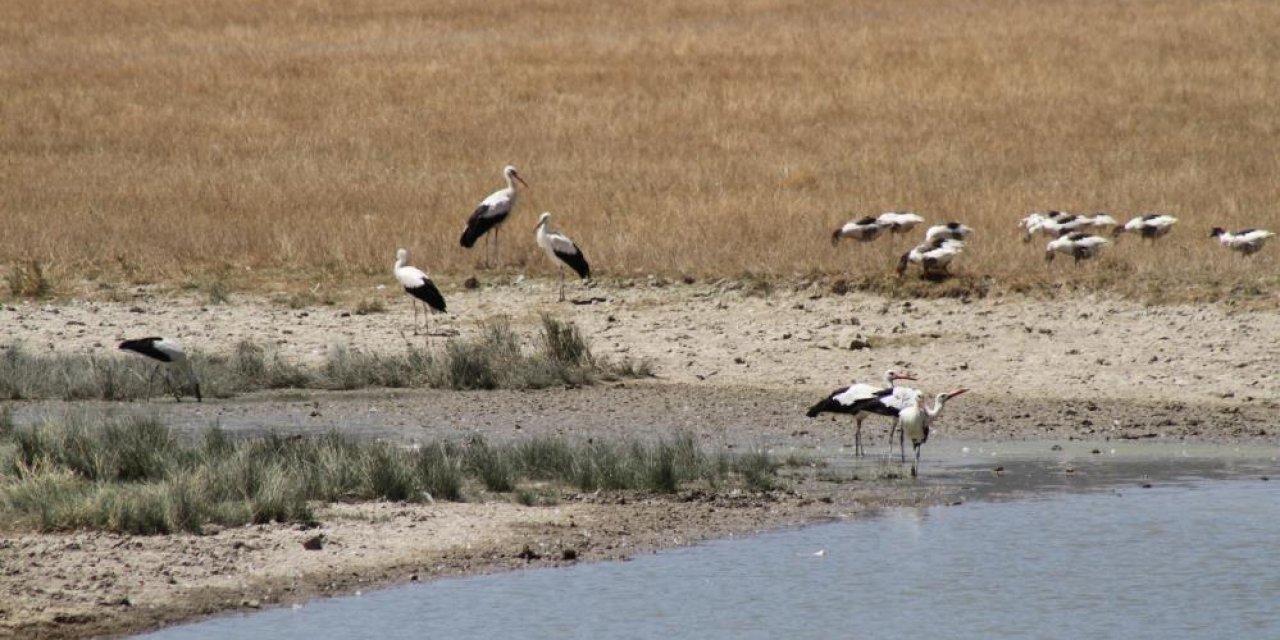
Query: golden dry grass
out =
(168, 140)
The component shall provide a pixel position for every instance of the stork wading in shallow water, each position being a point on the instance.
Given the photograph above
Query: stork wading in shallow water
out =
(1246, 241)
(419, 286)
(914, 421)
(492, 212)
(1148, 227)
(170, 356)
(1080, 246)
(562, 250)
(859, 399)
(864, 229)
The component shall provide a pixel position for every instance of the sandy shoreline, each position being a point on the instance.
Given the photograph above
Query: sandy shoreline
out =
(734, 369)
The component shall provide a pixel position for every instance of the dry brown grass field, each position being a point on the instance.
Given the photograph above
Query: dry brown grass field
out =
(161, 141)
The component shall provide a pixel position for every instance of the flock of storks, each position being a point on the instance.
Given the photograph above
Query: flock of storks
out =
(1073, 235)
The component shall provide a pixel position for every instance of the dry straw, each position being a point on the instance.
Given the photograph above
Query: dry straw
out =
(705, 138)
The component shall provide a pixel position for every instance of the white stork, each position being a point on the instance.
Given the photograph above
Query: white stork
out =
(169, 354)
(1246, 241)
(913, 422)
(864, 229)
(1034, 222)
(418, 284)
(932, 256)
(562, 250)
(1148, 227)
(1080, 246)
(950, 230)
(492, 212)
(1063, 225)
(858, 399)
(898, 221)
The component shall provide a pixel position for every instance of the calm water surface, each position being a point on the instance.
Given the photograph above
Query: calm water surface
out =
(1191, 558)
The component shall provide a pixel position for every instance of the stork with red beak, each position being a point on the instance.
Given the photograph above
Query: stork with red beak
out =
(859, 399)
(914, 421)
(492, 212)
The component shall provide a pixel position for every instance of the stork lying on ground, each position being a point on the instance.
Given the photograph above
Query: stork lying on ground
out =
(858, 399)
(170, 356)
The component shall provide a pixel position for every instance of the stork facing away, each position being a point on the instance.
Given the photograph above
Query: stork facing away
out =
(914, 422)
(492, 212)
(1246, 241)
(170, 356)
(562, 250)
(419, 286)
(859, 399)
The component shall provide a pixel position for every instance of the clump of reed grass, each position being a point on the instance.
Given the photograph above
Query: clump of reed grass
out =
(132, 474)
(30, 279)
(496, 359)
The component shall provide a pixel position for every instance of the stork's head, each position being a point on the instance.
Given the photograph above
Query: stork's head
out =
(1048, 254)
(511, 174)
(1217, 231)
(401, 255)
(542, 219)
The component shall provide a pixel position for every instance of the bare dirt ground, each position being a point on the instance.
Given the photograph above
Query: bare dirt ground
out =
(735, 366)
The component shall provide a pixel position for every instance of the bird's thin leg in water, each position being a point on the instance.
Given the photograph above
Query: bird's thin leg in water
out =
(902, 444)
(857, 437)
(915, 467)
(893, 427)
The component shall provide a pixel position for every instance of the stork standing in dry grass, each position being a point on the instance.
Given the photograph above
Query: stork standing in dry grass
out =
(169, 354)
(492, 212)
(860, 398)
(562, 250)
(1246, 241)
(419, 286)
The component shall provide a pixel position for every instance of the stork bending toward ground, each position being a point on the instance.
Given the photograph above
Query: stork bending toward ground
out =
(1148, 227)
(860, 398)
(864, 229)
(492, 212)
(562, 250)
(932, 256)
(948, 231)
(1080, 246)
(1246, 241)
(169, 354)
(418, 284)
(898, 221)
(914, 421)
(1034, 222)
